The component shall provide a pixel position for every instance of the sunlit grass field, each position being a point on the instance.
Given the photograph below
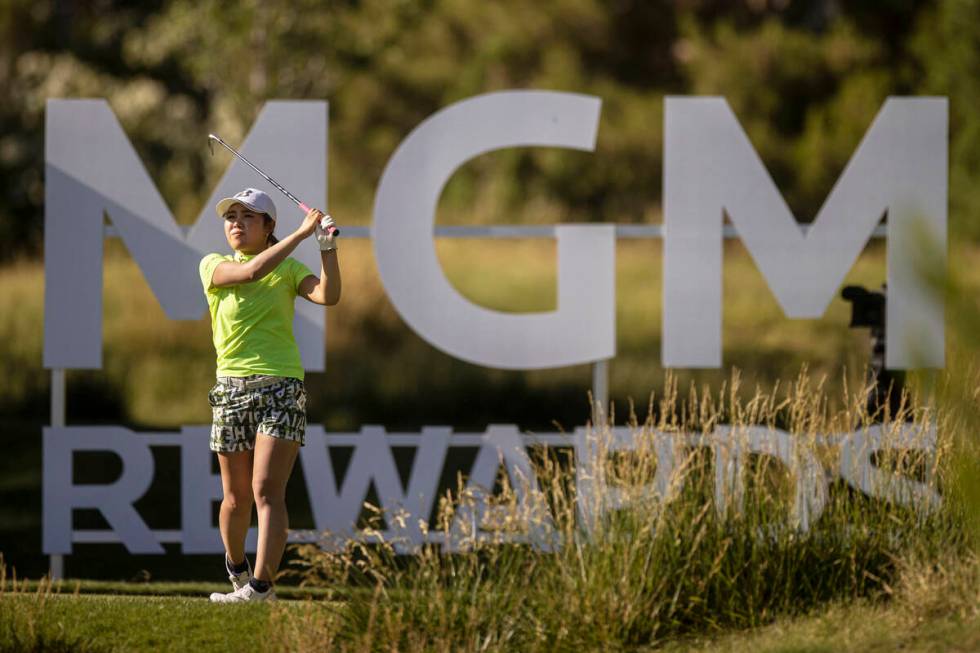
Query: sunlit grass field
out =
(672, 569)
(929, 612)
(696, 564)
(157, 372)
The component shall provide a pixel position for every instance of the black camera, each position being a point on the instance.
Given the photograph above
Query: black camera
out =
(868, 310)
(867, 306)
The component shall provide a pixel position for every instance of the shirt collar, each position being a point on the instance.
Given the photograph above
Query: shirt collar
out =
(242, 258)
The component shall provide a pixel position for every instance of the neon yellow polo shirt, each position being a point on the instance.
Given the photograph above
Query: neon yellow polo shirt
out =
(252, 323)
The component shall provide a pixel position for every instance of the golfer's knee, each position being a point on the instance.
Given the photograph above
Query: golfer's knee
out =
(268, 494)
(237, 501)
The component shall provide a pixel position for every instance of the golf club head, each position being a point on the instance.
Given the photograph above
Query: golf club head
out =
(211, 139)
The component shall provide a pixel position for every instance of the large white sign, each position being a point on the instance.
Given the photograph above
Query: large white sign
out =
(710, 169)
(92, 171)
(583, 328)
(337, 503)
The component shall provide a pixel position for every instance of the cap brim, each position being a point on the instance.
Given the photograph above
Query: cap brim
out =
(222, 207)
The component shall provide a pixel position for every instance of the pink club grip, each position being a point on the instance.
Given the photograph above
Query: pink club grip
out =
(305, 209)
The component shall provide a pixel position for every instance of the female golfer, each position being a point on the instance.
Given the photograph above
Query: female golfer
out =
(259, 401)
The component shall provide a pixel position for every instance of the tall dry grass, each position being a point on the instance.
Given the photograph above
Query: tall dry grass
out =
(631, 564)
(25, 624)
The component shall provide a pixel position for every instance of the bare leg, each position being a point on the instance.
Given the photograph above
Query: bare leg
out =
(236, 506)
(274, 458)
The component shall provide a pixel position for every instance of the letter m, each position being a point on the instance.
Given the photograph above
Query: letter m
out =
(92, 171)
(710, 167)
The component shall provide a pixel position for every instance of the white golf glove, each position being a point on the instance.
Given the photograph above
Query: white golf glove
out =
(324, 238)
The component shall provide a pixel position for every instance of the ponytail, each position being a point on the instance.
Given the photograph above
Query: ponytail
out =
(271, 240)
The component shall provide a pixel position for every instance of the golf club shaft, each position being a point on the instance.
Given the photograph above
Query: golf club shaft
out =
(303, 207)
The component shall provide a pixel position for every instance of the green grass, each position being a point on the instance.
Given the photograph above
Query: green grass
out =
(859, 628)
(672, 571)
(127, 623)
(671, 568)
(933, 609)
(161, 589)
(120, 623)
(106, 616)
(926, 612)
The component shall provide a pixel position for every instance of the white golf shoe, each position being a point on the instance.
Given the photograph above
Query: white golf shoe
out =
(238, 581)
(244, 594)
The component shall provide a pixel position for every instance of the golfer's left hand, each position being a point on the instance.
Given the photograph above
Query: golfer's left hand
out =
(326, 234)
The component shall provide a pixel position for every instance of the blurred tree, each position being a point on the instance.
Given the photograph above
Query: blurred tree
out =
(57, 49)
(804, 78)
(386, 66)
(805, 97)
(947, 44)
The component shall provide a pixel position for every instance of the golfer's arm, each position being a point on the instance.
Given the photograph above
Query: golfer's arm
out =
(231, 273)
(326, 289)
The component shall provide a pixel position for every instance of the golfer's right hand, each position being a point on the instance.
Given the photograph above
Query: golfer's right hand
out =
(310, 222)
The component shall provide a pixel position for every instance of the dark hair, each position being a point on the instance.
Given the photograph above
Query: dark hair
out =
(271, 240)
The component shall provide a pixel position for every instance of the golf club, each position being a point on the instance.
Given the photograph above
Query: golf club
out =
(303, 207)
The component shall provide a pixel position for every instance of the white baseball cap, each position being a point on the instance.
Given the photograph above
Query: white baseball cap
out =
(253, 198)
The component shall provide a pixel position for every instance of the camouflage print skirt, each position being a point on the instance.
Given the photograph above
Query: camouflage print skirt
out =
(244, 406)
